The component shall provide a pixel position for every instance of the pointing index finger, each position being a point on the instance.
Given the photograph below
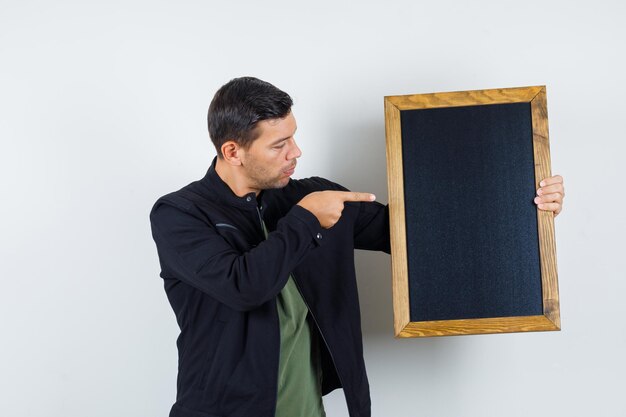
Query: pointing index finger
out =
(354, 196)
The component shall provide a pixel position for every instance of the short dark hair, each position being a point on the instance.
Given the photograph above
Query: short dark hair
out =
(239, 105)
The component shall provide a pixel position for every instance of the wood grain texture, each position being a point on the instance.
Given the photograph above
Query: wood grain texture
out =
(397, 227)
(464, 98)
(545, 219)
(477, 326)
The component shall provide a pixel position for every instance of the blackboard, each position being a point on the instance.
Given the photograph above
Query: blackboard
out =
(471, 252)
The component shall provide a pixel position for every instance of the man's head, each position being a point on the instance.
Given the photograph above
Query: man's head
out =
(252, 127)
(239, 105)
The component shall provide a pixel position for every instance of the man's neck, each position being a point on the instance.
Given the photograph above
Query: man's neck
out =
(231, 176)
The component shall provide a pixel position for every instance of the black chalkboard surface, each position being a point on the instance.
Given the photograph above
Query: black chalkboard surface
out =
(471, 252)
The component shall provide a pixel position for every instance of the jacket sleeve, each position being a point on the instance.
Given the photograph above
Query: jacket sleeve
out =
(371, 229)
(192, 251)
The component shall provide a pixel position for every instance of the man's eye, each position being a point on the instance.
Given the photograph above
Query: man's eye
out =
(282, 145)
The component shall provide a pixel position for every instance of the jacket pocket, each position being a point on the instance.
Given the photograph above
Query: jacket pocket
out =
(214, 341)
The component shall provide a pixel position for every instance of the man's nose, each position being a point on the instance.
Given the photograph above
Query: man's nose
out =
(294, 152)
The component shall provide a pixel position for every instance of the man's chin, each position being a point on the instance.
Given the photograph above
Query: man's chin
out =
(280, 183)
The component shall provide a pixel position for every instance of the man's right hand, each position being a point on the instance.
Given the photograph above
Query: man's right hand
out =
(328, 205)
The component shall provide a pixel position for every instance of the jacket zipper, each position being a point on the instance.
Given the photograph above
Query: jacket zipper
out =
(262, 224)
(319, 330)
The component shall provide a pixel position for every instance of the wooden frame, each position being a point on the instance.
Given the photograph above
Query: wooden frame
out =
(403, 327)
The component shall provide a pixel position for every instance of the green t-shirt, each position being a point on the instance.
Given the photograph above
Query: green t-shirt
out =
(299, 372)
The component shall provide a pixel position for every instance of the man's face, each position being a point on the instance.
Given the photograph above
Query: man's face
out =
(271, 159)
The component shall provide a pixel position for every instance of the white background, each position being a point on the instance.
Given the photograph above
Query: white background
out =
(102, 110)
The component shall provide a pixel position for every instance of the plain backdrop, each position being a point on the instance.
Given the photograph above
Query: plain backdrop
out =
(103, 110)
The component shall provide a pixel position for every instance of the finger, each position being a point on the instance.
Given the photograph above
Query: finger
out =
(554, 188)
(549, 198)
(555, 179)
(550, 207)
(354, 196)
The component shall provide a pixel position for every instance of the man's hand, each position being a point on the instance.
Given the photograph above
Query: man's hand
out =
(328, 205)
(550, 195)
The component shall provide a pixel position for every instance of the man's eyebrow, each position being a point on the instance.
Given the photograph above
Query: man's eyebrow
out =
(277, 141)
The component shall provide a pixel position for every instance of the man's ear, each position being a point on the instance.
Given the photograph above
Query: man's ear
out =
(232, 152)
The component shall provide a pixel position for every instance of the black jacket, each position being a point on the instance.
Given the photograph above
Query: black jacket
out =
(222, 278)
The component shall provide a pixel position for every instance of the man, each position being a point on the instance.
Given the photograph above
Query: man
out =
(259, 269)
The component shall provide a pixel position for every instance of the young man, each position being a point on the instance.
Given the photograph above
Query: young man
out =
(259, 269)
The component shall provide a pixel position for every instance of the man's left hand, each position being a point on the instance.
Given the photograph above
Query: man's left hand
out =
(550, 195)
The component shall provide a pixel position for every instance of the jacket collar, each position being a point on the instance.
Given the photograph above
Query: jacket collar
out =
(213, 182)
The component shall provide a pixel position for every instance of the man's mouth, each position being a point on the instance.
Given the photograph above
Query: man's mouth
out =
(290, 170)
